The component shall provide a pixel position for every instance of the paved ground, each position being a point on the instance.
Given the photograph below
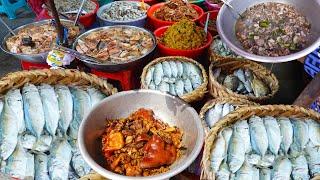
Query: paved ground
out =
(291, 76)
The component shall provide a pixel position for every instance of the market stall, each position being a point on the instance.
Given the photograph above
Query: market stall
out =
(160, 90)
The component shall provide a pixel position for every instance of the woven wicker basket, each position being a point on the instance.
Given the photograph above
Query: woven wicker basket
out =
(213, 56)
(229, 65)
(245, 113)
(209, 104)
(195, 95)
(57, 76)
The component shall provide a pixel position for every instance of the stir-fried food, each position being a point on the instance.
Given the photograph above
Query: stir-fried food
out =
(35, 39)
(175, 10)
(140, 145)
(116, 44)
(273, 29)
(185, 35)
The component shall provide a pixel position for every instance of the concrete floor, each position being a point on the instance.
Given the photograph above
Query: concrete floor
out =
(291, 76)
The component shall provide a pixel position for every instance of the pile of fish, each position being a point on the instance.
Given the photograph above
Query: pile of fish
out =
(222, 49)
(124, 11)
(242, 81)
(38, 131)
(217, 112)
(175, 77)
(268, 148)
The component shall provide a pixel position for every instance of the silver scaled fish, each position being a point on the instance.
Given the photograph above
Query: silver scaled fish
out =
(65, 106)
(14, 100)
(33, 109)
(258, 135)
(41, 166)
(96, 96)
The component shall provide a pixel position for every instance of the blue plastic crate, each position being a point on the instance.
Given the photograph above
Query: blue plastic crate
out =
(312, 63)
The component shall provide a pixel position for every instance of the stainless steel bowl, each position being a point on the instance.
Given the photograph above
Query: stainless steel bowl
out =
(169, 109)
(114, 67)
(35, 58)
(226, 27)
(139, 22)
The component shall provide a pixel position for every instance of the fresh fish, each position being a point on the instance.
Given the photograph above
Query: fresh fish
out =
(96, 96)
(196, 81)
(30, 142)
(273, 132)
(236, 152)
(242, 128)
(246, 172)
(314, 131)
(248, 87)
(174, 69)
(79, 165)
(286, 133)
(248, 74)
(169, 80)
(231, 82)
(225, 109)
(158, 74)
(59, 159)
(179, 88)
(179, 68)
(282, 169)
(66, 107)
(227, 133)
(41, 166)
(72, 175)
(164, 87)
(231, 108)
(216, 73)
(187, 85)
(152, 86)
(262, 162)
(30, 171)
(166, 69)
(33, 109)
(300, 169)
(17, 163)
(186, 70)
(259, 87)
(255, 173)
(15, 102)
(300, 133)
(240, 74)
(258, 135)
(313, 157)
(172, 89)
(50, 108)
(218, 153)
(214, 114)
(241, 88)
(195, 75)
(149, 76)
(3, 166)
(8, 131)
(223, 173)
(81, 102)
(265, 174)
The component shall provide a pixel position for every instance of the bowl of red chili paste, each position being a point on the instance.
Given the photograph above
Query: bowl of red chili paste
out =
(140, 134)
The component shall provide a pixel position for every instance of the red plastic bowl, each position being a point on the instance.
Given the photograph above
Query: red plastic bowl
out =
(193, 53)
(86, 20)
(157, 23)
(149, 2)
(213, 16)
(212, 6)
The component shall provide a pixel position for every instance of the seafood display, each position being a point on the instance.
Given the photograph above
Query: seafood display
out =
(174, 76)
(176, 10)
(184, 35)
(116, 44)
(124, 11)
(140, 145)
(74, 5)
(267, 147)
(273, 29)
(35, 39)
(218, 111)
(242, 81)
(38, 130)
(220, 48)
